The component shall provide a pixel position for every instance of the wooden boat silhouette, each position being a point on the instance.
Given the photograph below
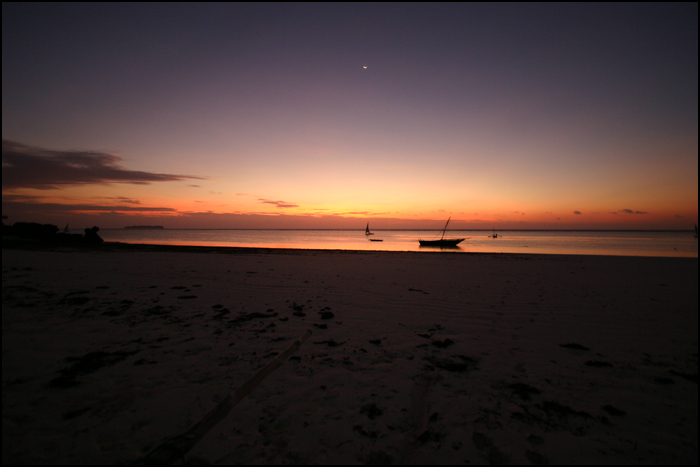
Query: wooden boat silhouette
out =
(445, 242)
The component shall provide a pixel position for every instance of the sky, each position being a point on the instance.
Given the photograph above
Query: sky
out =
(541, 116)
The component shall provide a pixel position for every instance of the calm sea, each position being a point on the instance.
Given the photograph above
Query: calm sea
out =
(619, 243)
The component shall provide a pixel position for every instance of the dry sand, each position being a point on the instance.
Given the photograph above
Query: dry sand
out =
(419, 358)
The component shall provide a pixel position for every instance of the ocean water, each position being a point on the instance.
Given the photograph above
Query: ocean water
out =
(618, 243)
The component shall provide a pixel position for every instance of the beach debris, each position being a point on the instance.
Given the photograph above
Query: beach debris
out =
(378, 457)
(574, 346)
(326, 314)
(523, 390)
(443, 344)
(598, 363)
(330, 343)
(693, 378)
(175, 448)
(75, 413)
(359, 429)
(563, 411)
(536, 458)
(250, 316)
(88, 363)
(613, 410)
(74, 300)
(221, 312)
(143, 361)
(157, 310)
(487, 449)
(372, 411)
(463, 363)
(481, 441)
(298, 309)
(662, 380)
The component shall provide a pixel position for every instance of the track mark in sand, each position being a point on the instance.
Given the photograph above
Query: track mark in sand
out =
(419, 415)
(419, 403)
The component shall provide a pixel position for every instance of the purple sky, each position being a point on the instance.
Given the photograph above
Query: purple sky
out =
(520, 115)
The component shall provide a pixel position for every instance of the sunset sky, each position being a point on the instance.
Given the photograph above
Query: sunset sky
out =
(325, 116)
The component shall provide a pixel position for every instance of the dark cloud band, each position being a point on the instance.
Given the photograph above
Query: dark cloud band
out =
(31, 167)
(279, 204)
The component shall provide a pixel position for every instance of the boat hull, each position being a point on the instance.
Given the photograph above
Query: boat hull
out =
(443, 242)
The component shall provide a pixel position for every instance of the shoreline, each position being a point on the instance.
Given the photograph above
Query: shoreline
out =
(33, 245)
(461, 358)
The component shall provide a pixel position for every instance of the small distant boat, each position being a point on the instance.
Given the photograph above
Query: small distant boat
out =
(376, 239)
(495, 235)
(367, 232)
(443, 241)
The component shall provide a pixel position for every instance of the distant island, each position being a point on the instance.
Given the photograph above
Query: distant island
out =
(145, 227)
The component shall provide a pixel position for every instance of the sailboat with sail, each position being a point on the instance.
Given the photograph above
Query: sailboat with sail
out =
(443, 241)
(368, 233)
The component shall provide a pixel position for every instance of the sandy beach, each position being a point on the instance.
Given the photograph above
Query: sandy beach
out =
(419, 358)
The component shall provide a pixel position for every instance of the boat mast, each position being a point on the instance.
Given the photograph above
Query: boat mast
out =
(443, 230)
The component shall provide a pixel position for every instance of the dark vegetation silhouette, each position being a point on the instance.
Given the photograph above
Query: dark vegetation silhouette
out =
(49, 233)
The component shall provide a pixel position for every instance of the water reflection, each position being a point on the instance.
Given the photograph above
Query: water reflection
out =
(434, 247)
(547, 242)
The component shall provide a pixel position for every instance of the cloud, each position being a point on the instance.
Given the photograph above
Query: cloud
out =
(279, 204)
(630, 211)
(45, 169)
(57, 207)
(121, 199)
(577, 212)
(35, 204)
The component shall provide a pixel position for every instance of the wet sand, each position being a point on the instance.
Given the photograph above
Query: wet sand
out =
(414, 357)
